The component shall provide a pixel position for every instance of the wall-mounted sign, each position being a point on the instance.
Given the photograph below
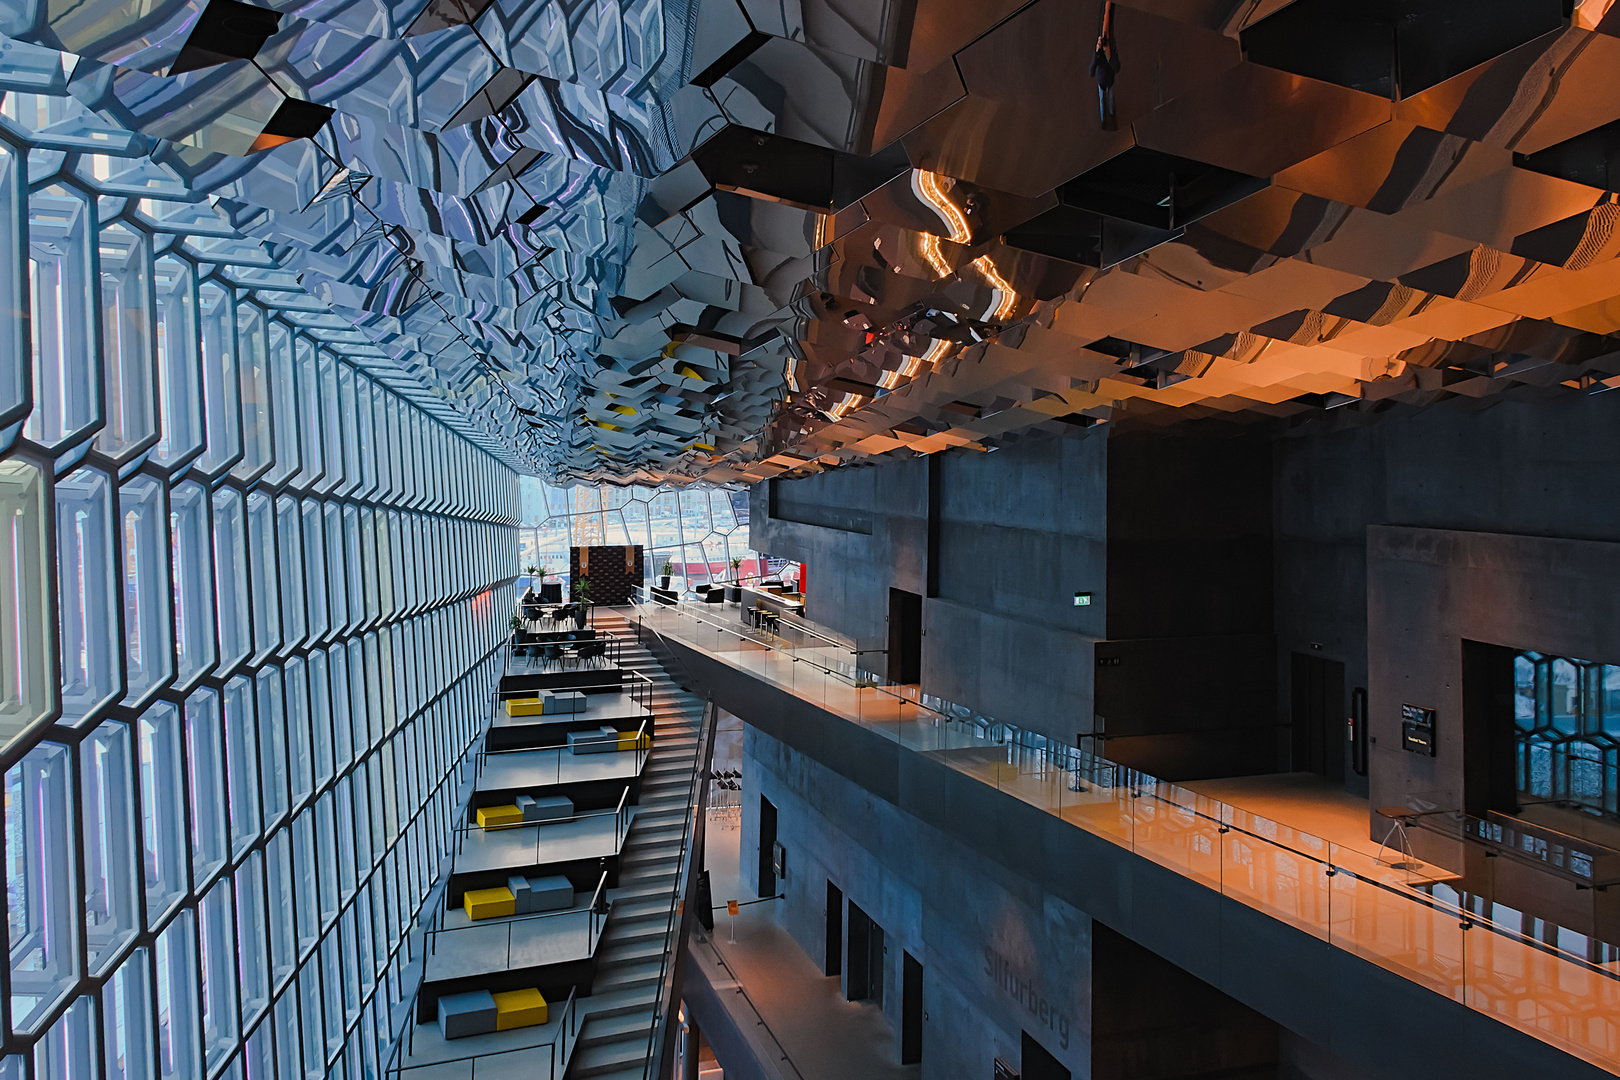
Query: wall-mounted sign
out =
(1082, 599)
(1417, 729)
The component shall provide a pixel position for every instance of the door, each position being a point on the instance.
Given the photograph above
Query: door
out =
(835, 930)
(767, 845)
(911, 1010)
(856, 986)
(905, 637)
(1319, 717)
(1036, 1063)
(874, 965)
(863, 971)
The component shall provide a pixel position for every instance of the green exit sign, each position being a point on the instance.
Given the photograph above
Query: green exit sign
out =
(1082, 599)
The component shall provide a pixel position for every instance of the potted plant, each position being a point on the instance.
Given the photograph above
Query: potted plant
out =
(542, 571)
(734, 590)
(665, 572)
(582, 598)
(531, 569)
(516, 623)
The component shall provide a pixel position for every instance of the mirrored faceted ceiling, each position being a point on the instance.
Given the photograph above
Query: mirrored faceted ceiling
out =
(628, 241)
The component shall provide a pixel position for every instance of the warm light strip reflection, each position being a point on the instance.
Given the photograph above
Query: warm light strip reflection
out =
(931, 192)
(929, 246)
(1004, 290)
(936, 352)
(929, 189)
(914, 364)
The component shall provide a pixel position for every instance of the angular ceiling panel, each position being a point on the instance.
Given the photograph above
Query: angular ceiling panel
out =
(675, 240)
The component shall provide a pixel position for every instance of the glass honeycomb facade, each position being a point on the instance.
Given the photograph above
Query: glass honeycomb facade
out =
(246, 635)
(699, 530)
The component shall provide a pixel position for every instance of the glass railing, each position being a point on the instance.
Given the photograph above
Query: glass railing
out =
(536, 772)
(744, 626)
(1585, 863)
(622, 681)
(546, 1060)
(744, 1012)
(487, 945)
(677, 916)
(510, 830)
(1346, 896)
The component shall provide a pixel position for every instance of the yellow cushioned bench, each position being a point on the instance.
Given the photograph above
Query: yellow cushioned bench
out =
(489, 903)
(628, 741)
(491, 816)
(524, 706)
(519, 1008)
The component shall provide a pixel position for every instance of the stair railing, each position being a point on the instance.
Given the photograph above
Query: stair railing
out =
(679, 917)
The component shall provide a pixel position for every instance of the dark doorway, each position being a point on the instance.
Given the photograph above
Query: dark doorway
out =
(905, 637)
(1037, 1064)
(1490, 738)
(1319, 718)
(767, 843)
(835, 930)
(911, 1010)
(863, 968)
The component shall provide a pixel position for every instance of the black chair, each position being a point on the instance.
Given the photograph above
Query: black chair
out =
(591, 650)
(551, 654)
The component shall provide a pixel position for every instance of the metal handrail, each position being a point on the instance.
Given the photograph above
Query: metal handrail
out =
(742, 991)
(658, 1035)
(621, 825)
(1075, 759)
(593, 740)
(637, 684)
(560, 1046)
(596, 915)
(855, 675)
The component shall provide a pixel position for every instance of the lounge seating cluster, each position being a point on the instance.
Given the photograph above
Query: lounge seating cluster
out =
(570, 701)
(481, 1012)
(606, 740)
(521, 895)
(525, 810)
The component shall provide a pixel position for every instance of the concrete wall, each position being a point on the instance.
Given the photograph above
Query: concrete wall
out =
(999, 955)
(858, 532)
(1020, 531)
(1535, 468)
(1189, 536)
(1428, 589)
(1330, 997)
(1195, 549)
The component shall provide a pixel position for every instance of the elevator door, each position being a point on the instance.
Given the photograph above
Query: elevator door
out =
(863, 966)
(1320, 719)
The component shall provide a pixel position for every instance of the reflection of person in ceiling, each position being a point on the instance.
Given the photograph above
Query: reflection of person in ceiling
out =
(1104, 66)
